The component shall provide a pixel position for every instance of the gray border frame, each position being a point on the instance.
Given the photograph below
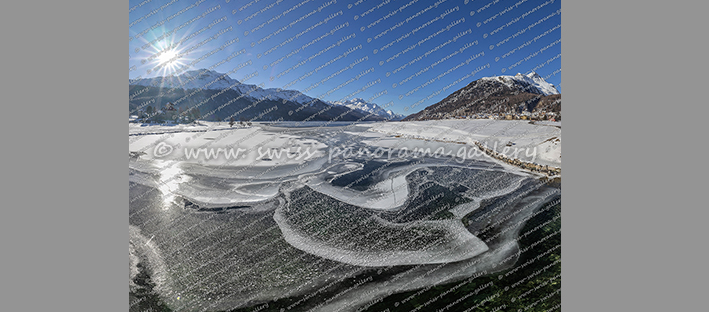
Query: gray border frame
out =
(63, 229)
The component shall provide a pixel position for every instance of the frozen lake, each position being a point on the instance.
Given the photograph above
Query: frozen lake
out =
(222, 218)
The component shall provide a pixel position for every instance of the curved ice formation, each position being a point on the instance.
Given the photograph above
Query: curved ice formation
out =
(389, 189)
(482, 185)
(385, 195)
(321, 225)
(144, 250)
(421, 277)
(212, 186)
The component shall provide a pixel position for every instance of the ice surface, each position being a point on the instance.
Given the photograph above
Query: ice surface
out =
(388, 194)
(325, 227)
(264, 229)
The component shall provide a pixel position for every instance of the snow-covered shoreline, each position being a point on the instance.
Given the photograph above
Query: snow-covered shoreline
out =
(509, 141)
(516, 139)
(136, 128)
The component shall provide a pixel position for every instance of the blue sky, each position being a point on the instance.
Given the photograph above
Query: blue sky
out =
(406, 54)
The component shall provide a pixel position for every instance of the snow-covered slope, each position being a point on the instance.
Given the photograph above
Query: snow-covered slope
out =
(361, 104)
(210, 79)
(193, 79)
(536, 83)
(536, 143)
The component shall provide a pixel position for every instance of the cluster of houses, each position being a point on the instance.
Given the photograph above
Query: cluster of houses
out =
(542, 115)
(549, 171)
(168, 114)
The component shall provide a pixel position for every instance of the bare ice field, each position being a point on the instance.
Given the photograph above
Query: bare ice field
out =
(224, 218)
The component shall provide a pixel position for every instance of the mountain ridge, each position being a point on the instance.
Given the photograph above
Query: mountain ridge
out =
(497, 95)
(213, 80)
(362, 104)
(218, 96)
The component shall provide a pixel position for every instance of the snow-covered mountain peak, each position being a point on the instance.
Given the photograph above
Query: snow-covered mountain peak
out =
(362, 104)
(210, 79)
(358, 102)
(205, 74)
(532, 79)
(539, 82)
(192, 79)
(533, 75)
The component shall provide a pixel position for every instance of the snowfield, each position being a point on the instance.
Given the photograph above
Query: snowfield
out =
(538, 143)
(154, 128)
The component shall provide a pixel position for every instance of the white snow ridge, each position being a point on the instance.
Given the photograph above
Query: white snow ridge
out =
(362, 104)
(532, 79)
(210, 79)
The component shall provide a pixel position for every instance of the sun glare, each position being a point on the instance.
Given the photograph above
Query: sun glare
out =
(167, 56)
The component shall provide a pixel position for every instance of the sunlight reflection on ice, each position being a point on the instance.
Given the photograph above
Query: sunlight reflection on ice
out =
(171, 176)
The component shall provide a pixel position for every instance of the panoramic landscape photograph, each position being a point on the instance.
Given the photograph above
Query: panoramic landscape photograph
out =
(361, 155)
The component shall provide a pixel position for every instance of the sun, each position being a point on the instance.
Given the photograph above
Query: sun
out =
(166, 59)
(167, 56)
